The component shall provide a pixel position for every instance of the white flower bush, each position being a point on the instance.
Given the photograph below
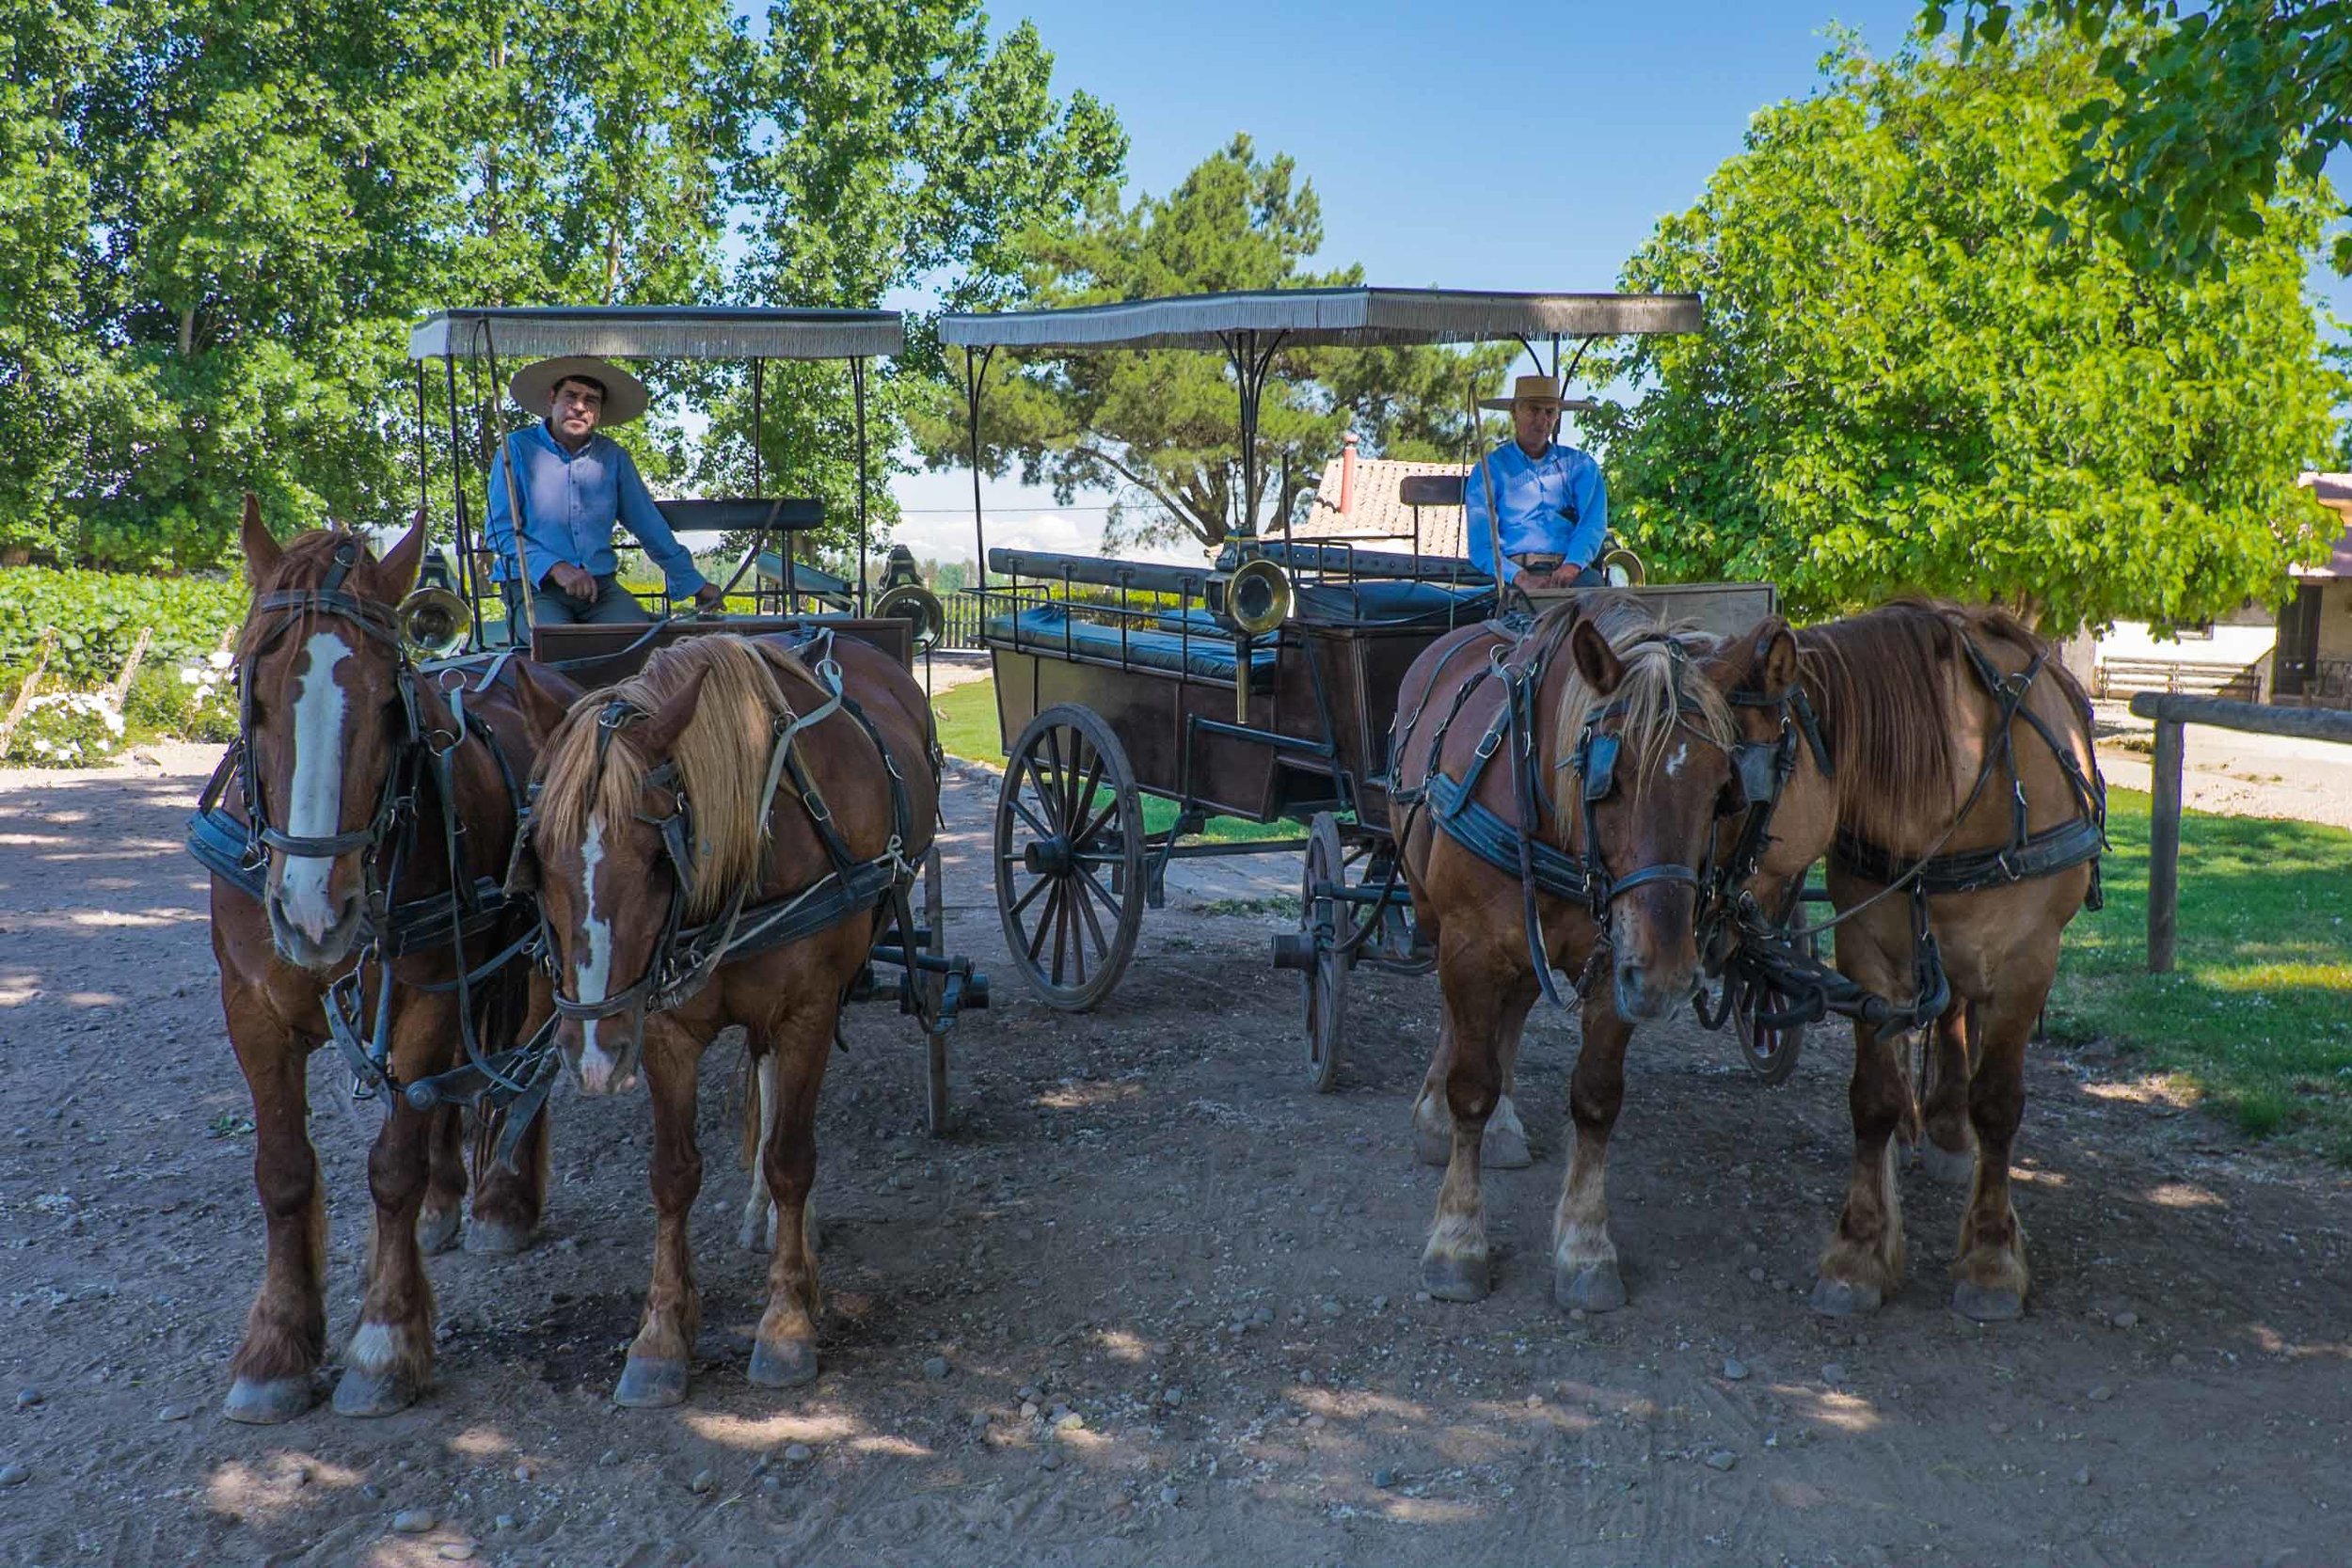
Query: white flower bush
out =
(66, 729)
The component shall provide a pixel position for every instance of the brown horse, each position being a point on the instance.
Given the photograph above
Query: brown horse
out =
(333, 715)
(1632, 751)
(721, 783)
(1985, 771)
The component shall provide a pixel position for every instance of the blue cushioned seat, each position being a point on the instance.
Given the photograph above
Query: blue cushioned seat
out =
(1389, 602)
(1048, 629)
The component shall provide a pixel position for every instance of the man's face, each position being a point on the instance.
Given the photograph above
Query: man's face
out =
(573, 410)
(1533, 423)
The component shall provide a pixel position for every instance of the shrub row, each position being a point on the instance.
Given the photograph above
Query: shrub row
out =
(98, 615)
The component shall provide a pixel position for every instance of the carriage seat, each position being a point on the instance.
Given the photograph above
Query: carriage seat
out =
(1200, 623)
(1048, 629)
(1389, 602)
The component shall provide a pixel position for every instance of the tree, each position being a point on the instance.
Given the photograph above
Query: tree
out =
(1159, 428)
(1905, 385)
(2201, 119)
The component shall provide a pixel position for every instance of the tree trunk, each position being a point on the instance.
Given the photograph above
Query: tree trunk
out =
(187, 332)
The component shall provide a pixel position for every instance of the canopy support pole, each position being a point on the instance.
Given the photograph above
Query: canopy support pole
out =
(857, 394)
(975, 376)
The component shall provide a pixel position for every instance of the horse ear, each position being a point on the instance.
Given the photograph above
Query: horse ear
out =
(397, 572)
(547, 697)
(1596, 661)
(660, 732)
(1773, 665)
(261, 552)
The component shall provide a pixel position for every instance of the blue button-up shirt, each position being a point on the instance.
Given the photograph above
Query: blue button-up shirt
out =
(1555, 504)
(571, 501)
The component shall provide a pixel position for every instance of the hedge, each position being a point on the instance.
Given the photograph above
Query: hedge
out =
(98, 616)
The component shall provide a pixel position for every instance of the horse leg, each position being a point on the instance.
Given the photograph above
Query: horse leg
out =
(757, 1232)
(508, 1204)
(445, 1182)
(785, 1354)
(285, 1333)
(1506, 1139)
(1454, 1264)
(1863, 1263)
(1432, 1124)
(660, 1357)
(1947, 1151)
(1584, 1269)
(1991, 1278)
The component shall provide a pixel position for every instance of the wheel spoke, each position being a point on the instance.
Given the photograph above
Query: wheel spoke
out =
(1096, 888)
(1086, 908)
(1044, 920)
(1029, 897)
(1049, 790)
(1082, 804)
(1028, 815)
(1061, 927)
(1070, 778)
(1095, 824)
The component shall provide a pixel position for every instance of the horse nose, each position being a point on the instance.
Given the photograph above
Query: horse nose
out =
(1639, 1000)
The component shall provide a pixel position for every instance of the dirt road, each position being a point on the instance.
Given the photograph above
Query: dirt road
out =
(1152, 1302)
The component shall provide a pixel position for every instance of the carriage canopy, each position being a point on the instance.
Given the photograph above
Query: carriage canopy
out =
(1358, 317)
(699, 332)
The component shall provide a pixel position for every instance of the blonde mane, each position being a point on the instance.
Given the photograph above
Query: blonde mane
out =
(721, 758)
(1662, 678)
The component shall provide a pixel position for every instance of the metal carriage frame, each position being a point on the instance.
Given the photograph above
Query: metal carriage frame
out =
(789, 596)
(1103, 701)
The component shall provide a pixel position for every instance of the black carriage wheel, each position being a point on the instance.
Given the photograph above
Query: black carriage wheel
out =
(934, 984)
(1070, 883)
(1331, 923)
(1769, 1052)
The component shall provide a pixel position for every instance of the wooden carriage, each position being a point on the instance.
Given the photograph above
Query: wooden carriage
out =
(1259, 687)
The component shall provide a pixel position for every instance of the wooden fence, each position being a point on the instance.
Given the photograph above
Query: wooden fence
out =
(2125, 677)
(2171, 714)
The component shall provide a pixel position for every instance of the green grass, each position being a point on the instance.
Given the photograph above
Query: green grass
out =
(2257, 1015)
(967, 728)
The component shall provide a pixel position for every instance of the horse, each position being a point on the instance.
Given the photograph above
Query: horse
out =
(352, 780)
(728, 827)
(1596, 840)
(1924, 709)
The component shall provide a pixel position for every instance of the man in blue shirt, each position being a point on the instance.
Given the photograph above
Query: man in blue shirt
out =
(1555, 509)
(574, 485)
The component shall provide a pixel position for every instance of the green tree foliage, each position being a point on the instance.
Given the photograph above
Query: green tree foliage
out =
(223, 215)
(1906, 385)
(2199, 120)
(1160, 428)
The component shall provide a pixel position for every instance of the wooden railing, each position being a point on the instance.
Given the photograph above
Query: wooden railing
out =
(2125, 677)
(2172, 713)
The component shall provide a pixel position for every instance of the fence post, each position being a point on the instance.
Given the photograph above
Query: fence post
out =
(2164, 847)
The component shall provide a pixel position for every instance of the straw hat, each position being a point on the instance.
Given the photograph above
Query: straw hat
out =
(625, 396)
(1538, 388)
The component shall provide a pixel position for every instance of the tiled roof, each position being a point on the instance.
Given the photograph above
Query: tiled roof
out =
(2333, 491)
(1376, 513)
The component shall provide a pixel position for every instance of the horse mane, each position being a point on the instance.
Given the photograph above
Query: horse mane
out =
(1662, 678)
(304, 562)
(1876, 679)
(722, 759)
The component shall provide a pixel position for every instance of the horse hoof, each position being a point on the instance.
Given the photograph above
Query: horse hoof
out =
(1835, 1298)
(1593, 1288)
(1503, 1148)
(784, 1364)
(1987, 1304)
(1450, 1278)
(280, 1398)
(366, 1395)
(650, 1385)
(496, 1237)
(1953, 1168)
(437, 1229)
(1432, 1148)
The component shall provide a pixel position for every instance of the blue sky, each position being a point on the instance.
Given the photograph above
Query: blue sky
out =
(1509, 147)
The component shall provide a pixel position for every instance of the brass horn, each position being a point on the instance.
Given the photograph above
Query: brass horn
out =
(1257, 596)
(434, 623)
(920, 608)
(1621, 568)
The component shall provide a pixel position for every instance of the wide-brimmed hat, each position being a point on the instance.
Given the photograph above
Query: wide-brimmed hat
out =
(1538, 388)
(625, 396)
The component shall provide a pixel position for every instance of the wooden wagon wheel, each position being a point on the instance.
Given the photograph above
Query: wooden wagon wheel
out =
(1771, 1054)
(1329, 923)
(1068, 815)
(934, 984)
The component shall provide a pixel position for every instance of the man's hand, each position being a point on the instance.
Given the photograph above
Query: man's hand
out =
(573, 582)
(711, 598)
